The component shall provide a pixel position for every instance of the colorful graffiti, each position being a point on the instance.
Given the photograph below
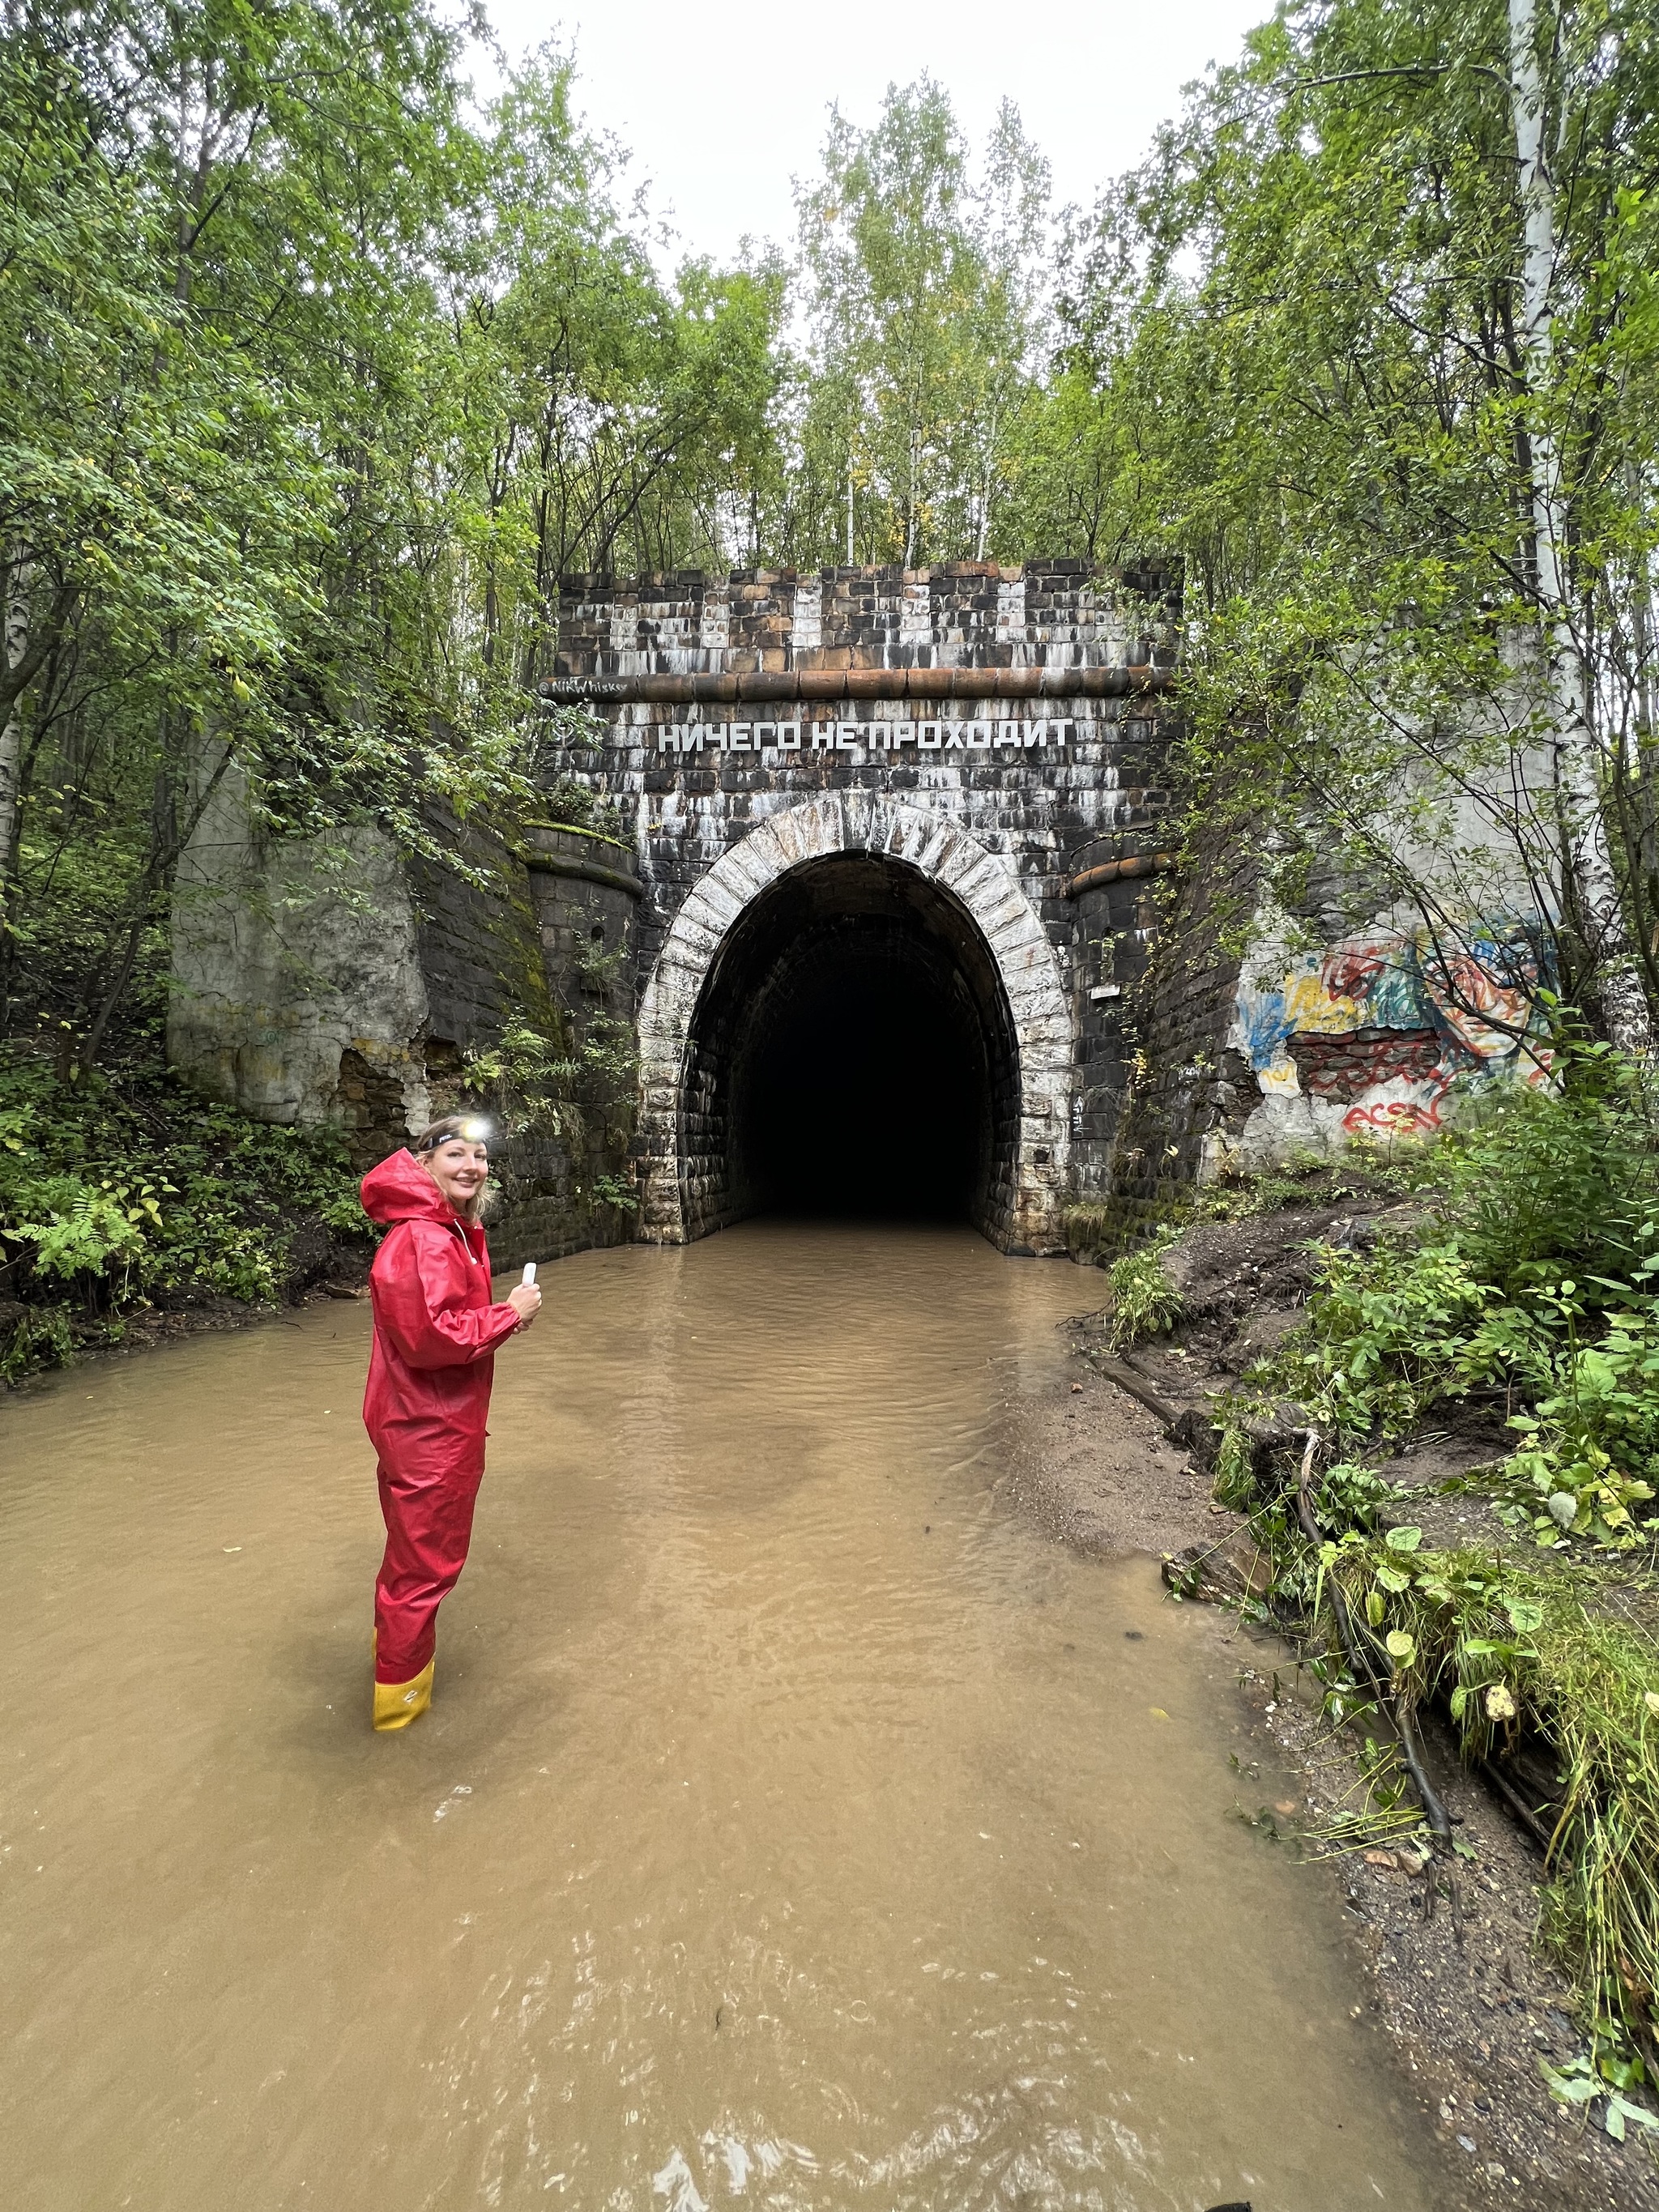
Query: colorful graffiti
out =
(1379, 1029)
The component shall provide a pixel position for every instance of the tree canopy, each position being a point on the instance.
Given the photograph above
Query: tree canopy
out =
(317, 370)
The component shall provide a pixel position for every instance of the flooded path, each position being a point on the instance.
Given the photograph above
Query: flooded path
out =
(792, 1827)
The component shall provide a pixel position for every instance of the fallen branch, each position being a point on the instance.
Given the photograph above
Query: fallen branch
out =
(1126, 1379)
(1193, 1428)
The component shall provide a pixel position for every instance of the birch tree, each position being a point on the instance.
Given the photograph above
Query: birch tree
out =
(925, 271)
(1588, 878)
(1370, 342)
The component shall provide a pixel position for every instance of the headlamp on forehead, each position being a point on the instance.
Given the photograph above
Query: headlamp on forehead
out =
(475, 1131)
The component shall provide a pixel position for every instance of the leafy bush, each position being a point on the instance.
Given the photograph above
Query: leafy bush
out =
(1507, 1649)
(616, 1192)
(1510, 1647)
(551, 1085)
(41, 1337)
(120, 1193)
(534, 1079)
(1534, 1291)
(1389, 1329)
(1536, 1184)
(1144, 1302)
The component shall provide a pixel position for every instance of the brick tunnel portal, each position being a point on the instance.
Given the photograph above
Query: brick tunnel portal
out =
(852, 1052)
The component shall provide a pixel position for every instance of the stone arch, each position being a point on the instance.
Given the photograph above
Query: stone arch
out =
(981, 883)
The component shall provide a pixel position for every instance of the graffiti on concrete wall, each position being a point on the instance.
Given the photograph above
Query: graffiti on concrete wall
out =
(1375, 1031)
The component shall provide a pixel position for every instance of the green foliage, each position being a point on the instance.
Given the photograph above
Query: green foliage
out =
(1534, 1288)
(1508, 1649)
(1590, 1444)
(1388, 1331)
(312, 389)
(534, 1078)
(314, 379)
(1304, 351)
(39, 1337)
(601, 419)
(118, 1194)
(88, 1230)
(568, 805)
(1144, 1302)
(615, 1191)
(925, 274)
(1562, 1177)
(1098, 1229)
(1530, 1295)
(551, 1085)
(1588, 2077)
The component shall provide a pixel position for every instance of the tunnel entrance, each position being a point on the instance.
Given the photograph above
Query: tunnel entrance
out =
(852, 1052)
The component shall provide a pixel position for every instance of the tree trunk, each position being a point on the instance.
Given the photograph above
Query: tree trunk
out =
(985, 487)
(16, 584)
(1641, 629)
(1590, 883)
(910, 504)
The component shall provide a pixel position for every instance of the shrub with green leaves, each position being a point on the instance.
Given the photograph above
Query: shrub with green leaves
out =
(1507, 1648)
(1389, 1330)
(1532, 1294)
(1539, 1184)
(1144, 1302)
(117, 1193)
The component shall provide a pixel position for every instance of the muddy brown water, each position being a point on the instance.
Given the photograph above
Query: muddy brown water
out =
(794, 1827)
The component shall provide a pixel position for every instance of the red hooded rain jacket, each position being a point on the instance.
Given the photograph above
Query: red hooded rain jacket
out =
(436, 1327)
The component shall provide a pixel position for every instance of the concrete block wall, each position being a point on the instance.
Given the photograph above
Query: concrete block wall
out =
(1038, 807)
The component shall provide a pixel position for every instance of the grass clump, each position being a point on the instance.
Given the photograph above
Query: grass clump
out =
(1144, 1302)
(1096, 1230)
(1512, 1650)
(1100, 1228)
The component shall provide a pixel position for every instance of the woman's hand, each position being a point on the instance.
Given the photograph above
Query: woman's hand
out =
(526, 1300)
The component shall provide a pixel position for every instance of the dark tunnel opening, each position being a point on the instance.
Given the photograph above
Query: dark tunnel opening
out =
(852, 1053)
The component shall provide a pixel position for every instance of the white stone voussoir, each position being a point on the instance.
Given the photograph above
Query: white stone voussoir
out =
(982, 881)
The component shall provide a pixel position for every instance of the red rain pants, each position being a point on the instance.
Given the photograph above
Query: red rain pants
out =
(428, 1526)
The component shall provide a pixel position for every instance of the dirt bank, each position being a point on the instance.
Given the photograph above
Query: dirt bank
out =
(1449, 1964)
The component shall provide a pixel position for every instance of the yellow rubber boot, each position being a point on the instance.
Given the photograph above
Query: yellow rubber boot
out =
(396, 1704)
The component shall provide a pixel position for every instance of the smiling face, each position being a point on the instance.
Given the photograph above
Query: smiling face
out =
(460, 1169)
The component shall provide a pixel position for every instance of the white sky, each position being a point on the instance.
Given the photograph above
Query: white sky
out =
(722, 102)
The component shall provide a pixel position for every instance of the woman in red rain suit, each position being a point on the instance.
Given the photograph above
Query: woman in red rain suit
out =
(436, 1334)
